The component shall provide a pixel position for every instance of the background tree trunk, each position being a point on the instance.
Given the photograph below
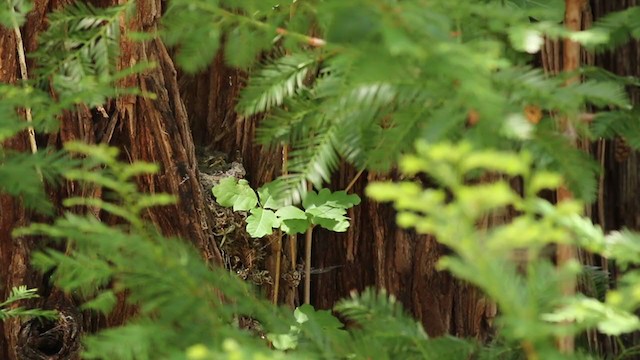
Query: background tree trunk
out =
(150, 130)
(619, 205)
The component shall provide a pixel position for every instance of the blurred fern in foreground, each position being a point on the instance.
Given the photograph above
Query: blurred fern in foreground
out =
(189, 310)
(509, 262)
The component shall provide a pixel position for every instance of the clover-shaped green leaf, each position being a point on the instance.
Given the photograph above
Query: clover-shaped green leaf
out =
(329, 217)
(267, 200)
(231, 192)
(338, 199)
(261, 222)
(293, 220)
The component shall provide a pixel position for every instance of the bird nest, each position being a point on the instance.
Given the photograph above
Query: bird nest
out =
(242, 254)
(50, 339)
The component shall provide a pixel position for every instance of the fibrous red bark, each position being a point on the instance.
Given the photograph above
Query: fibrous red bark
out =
(145, 129)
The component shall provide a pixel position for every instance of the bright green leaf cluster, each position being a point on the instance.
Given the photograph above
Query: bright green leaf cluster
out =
(237, 193)
(324, 208)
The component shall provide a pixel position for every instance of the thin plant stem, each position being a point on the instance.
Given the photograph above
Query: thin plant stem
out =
(293, 239)
(24, 74)
(307, 265)
(353, 181)
(276, 280)
(309, 40)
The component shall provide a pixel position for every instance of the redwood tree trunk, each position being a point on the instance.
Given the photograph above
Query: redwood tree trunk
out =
(150, 130)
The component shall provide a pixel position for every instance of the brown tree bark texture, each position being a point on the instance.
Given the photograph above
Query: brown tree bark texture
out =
(619, 204)
(150, 130)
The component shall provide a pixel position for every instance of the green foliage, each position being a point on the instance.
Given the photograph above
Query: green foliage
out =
(280, 80)
(189, 26)
(508, 261)
(385, 74)
(380, 75)
(76, 57)
(237, 193)
(618, 123)
(82, 66)
(189, 310)
(7, 310)
(13, 12)
(20, 172)
(550, 10)
(129, 256)
(261, 222)
(324, 208)
(620, 26)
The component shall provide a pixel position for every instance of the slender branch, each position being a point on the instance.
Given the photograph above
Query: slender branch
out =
(22, 59)
(601, 159)
(102, 112)
(293, 238)
(353, 181)
(309, 40)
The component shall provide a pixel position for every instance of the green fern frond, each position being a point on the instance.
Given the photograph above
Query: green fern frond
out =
(312, 160)
(618, 123)
(397, 136)
(594, 281)
(600, 74)
(22, 293)
(580, 171)
(619, 26)
(79, 50)
(128, 256)
(381, 320)
(136, 341)
(20, 176)
(601, 93)
(290, 123)
(280, 79)
(371, 308)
